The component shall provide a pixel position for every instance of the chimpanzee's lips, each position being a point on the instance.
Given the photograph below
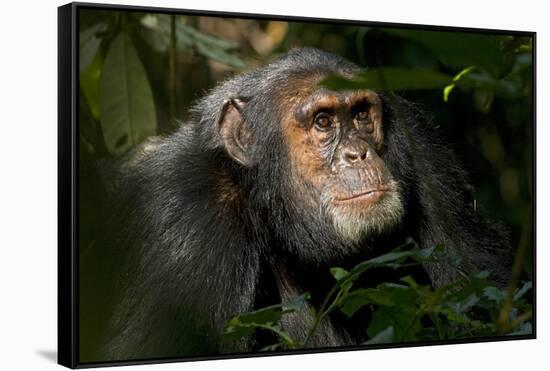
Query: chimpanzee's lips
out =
(371, 195)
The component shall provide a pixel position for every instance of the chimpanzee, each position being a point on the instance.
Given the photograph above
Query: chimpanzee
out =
(271, 181)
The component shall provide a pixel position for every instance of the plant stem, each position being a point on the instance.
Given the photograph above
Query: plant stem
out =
(173, 62)
(503, 324)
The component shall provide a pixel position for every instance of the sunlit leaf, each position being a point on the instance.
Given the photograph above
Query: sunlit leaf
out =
(449, 88)
(338, 273)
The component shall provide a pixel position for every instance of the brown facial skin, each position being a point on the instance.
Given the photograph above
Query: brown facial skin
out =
(335, 140)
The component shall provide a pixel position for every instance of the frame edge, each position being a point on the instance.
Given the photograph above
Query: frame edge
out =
(67, 353)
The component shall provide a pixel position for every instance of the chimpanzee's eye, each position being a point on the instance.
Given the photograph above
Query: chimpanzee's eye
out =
(323, 121)
(362, 116)
(363, 119)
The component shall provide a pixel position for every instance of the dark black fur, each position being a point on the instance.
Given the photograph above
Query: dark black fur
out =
(191, 262)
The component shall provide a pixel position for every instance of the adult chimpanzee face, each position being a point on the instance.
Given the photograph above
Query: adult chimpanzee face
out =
(335, 141)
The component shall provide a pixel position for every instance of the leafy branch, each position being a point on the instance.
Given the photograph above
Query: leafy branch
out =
(401, 312)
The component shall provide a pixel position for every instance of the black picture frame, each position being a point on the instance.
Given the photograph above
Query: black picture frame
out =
(68, 179)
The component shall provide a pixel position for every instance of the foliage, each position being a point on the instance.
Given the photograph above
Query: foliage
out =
(499, 70)
(266, 318)
(188, 38)
(126, 100)
(404, 312)
(130, 66)
(113, 79)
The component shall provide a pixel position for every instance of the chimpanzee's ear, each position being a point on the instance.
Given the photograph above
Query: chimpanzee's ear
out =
(236, 138)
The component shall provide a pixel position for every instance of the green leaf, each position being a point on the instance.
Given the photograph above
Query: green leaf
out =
(454, 260)
(126, 100)
(403, 321)
(359, 298)
(211, 40)
(235, 331)
(463, 73)
(338, 273)
(390, 257)
(386, 294)
(247, 323)
(465, 305)
(265, 318)
(449, 88)
(426, 253)
(272, 313)
(523, 290)
(394, 259)
(158, 29)
(272, 347)
(189, 39)
(89, 43)
(89, 82)
(494, 294)
(297, 303)
(450, 312)
(410, 281)
(483, 275)
(390, 79)
(262, 316)
(383, 337)
(219, 55)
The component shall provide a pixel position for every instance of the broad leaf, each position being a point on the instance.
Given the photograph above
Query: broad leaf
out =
(89, 43)
(126, 101)
(89, 80)
(386, 294)
(403, 321)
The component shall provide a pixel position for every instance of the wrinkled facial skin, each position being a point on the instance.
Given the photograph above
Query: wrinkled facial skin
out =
(335, 140)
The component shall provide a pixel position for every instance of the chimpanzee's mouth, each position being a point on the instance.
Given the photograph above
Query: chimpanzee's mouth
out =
(371, 195)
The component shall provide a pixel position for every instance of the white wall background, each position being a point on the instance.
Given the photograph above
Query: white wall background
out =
(28, 183)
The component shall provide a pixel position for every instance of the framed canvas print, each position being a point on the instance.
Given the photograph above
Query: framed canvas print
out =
(235, 185)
